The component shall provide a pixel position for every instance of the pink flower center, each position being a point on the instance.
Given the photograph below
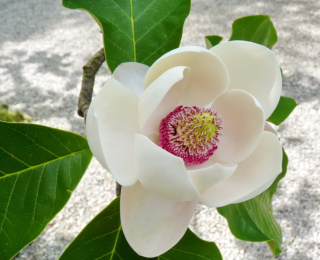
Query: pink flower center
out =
(191, 133)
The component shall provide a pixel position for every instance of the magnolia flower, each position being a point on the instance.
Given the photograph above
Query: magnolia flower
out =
(189, 128)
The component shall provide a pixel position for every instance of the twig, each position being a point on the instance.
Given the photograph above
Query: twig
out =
(118, 189)
(89, 72)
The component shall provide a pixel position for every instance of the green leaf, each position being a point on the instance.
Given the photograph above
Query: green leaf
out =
(284, 108)
(139, 31)
(212, 40)
(190, 247)
(40, 168)
(255, 28)
(103, 238)
(253, 220)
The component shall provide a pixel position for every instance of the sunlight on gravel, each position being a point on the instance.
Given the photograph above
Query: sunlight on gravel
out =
(43, 47)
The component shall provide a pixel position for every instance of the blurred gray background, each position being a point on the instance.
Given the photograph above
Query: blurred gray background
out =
(43, 47)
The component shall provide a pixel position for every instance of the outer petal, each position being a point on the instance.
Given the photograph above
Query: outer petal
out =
(253, 68)
(161, 98)
(252, 176)
(269, 127)
(131, 75)
(270, 102)
(153, 224)
(243, 122)
(93, 133)
(208, 78)
(111, 126)
(162, 173)
(206, 178)
(257, 191)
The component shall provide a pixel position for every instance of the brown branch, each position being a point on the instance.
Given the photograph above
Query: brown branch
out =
(89, 73)
(118, 189)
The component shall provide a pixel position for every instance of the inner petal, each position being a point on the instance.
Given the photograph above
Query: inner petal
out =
(191, 133)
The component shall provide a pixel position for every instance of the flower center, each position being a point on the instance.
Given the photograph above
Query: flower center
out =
(191, 133)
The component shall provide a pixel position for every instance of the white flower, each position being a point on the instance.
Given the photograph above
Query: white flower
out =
(240, 82)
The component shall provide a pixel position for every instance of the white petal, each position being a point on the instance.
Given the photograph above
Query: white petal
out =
(243, 123)
(208, 78)
(93, 133)
(253, 68)
(206, 178)
(212, 160)
(131, 75)
(252, 176)
(206, 164)
(161, 98)
(270, 102)
(154, 138)
(161, 172)
(115, 114)
(269, 127)
(257, 191)
(153, 224)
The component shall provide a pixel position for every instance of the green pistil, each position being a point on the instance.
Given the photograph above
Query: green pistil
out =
(200, 129)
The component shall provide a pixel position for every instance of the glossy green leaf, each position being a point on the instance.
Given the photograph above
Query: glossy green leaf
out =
(191, 247)
(40, 168)
(284, 108)
(103, 238)
(212, 40)
(255, 28)
(253, 220)
(140, 31)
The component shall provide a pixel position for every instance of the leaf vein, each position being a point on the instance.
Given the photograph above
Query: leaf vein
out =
(120, 48)
(32, 141)
(145, 9)
(118, 255)
(6, 210)
(37, 195)
(115, 242)
(41, 164)
(119, 28)
(158, 22)
(56, 186)
(59, 140)
(102, 256)
(121, 9)
(190, 253)
(160, 46)
(16, 158)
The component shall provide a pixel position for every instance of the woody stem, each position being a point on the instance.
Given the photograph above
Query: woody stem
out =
(90, 70)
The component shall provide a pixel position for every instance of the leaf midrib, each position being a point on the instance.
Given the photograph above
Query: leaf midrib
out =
(43, 164)
(133, 33)
(247, 221)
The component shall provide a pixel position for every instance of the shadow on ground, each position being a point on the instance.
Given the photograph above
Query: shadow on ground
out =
(27, 70)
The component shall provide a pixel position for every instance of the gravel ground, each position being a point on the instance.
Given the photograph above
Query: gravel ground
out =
(43, 47)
